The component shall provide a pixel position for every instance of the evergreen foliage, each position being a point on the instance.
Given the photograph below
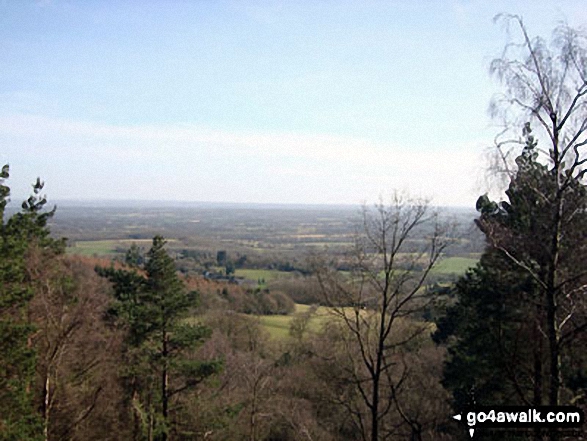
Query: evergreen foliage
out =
(19, 419)
(134, 256)
(487, 334)
(152, 305)
(499, 352)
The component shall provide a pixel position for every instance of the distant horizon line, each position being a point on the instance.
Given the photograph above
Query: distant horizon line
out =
(173, 203)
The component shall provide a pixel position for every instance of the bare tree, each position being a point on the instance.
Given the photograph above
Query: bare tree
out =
(546, 84)
(75, 346)
(393, 254)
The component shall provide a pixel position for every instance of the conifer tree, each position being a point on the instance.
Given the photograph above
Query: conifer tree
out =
(152, 305)
(545, 83)
(500, 349)
(19, 419)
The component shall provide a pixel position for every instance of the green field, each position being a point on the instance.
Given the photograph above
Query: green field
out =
(454, 265)
(265, 274)
(108, 248)
(94, 247)
(278, 325)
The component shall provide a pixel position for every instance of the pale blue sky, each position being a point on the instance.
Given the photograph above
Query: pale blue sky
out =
(253, 101)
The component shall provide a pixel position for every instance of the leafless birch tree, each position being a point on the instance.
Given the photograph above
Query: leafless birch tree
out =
(545, 88)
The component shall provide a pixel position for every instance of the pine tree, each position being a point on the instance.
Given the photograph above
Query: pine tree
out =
(22, 232)
(501, 345)
(489, 335)
(152, 305)
(134, 256)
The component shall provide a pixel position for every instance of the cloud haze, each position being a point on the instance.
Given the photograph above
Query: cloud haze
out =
(200, 162)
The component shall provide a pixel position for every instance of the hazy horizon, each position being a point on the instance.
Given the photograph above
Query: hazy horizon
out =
(333, 102)
(15, 203)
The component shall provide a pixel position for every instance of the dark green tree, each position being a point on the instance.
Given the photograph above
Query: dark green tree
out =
(152, 304)
(229, 268)
(134, 256)
(25, 230)
(545, 83)
(488, 332)
(221, 257)
(499, 331)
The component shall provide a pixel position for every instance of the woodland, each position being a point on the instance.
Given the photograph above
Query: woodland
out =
(204, 323)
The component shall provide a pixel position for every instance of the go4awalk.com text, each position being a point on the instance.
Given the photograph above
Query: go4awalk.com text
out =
(520, 417)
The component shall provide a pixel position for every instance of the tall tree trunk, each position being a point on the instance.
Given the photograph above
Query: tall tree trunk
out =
(46, 405)
(253, 416)
(538, 378)
(554, 353)
(379, 364)
(375, 411)
(165, 387)
(537, 392)
(552, 330)
(136, 418)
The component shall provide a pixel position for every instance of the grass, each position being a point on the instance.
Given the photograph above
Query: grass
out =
(278, 325)
(94, 247)
(109, 248)
(265, 274)
(454, 265)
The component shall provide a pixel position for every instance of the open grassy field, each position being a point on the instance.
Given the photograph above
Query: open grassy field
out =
(278, 325)
(95, 247)
(454, 265)
(265, 274)
(108, 248)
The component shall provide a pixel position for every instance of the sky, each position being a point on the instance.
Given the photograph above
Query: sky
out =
(305, 102)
